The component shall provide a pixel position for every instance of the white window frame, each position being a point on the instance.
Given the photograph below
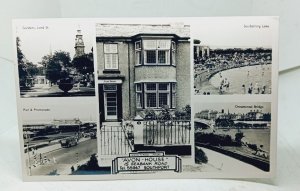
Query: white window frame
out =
(144, 92)
(156, 92)
(173, 53)
(157, 49)
(138, 61)
(173, 95)
(139, 92)
(110, 54)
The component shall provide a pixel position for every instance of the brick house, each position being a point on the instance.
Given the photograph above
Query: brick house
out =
(142, 66)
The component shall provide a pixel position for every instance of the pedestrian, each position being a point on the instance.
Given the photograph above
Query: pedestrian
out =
(263, 91)
(221, 89)
(244, 88)
(41, 159)
(45, 160)
(250, 89)
(78, 85)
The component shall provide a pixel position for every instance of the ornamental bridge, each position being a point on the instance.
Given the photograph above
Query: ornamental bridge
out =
(203, 123)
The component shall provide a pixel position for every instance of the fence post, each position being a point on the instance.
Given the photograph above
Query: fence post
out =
(138, 127)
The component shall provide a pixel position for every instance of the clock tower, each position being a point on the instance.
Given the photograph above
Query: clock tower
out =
(79, 44)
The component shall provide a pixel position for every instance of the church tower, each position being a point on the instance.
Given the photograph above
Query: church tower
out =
(79, 44)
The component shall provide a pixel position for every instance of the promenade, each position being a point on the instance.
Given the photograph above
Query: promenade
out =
(218, 162)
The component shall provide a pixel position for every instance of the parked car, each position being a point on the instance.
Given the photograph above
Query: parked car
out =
(93, 135)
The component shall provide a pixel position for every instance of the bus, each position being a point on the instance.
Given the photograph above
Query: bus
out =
(68, 142)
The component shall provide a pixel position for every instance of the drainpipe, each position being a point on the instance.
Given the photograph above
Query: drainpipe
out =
(129, 79)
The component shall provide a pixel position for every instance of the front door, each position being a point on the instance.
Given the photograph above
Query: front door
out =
(110, 105)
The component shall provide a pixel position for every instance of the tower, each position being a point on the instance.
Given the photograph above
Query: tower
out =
(79, 44)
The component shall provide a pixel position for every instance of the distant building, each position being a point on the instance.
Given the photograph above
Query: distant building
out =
(40, 81)
(203, 114)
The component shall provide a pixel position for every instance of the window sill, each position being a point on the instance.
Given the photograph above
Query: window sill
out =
(155, 108)
(155, 65)
(111, 71)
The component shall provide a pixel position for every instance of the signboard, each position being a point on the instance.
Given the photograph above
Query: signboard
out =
(146, 161)
(110, 81)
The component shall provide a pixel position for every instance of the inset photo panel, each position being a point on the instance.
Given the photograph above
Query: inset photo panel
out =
(55, 59)
(233, 136)
(144, 93)
(60, 139)
(232, 57)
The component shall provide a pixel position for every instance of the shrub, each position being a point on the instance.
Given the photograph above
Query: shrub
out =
(184, 113)
(165, 113)
(238, 137)
(150, 114)
(200, 156)
(252, 146)
(215, 140)
(92, 164)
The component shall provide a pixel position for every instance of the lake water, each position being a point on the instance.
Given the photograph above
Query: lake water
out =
(258, 75)
(253, 136)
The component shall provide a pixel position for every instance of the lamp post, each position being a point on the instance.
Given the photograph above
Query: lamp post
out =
(29, 164)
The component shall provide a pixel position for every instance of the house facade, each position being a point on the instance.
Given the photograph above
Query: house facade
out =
(142, 67)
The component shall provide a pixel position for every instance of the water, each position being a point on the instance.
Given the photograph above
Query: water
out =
(258, 74)
(252, 136)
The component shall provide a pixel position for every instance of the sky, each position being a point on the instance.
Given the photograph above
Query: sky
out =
(40, 37)
(73, 107)
(233, 107)
(233, 32)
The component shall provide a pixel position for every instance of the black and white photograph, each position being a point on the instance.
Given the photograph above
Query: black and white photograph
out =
(60, 139)
(55, 59)
(237, 62)
(232, 136)
(144, 89)
(102, 99)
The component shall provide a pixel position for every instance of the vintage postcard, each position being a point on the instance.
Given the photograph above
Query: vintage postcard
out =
(147, 98)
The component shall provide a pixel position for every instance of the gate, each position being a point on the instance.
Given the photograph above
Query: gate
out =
(114, 141)
(167, 132)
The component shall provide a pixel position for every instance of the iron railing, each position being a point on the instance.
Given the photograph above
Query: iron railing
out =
(114, 141)
(167, 132)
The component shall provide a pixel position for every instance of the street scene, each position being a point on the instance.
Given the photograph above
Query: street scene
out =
(237, 130)
(60, 139)
(61, 147)
(58, 66)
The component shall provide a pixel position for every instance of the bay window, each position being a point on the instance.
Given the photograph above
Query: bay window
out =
(155, 52)
(155, 95)
(138, 53)
(139, 97)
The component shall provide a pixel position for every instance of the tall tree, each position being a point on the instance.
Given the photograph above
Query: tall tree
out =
(84, 64)
(21, 63)
(56, 65)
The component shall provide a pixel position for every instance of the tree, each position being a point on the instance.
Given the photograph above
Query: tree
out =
(32, 69)
(21, 63)
(200, 156)
(238, 138)
(84, 63)
(92, 164)
(53, 70)
(26, 69)
(57, 66)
